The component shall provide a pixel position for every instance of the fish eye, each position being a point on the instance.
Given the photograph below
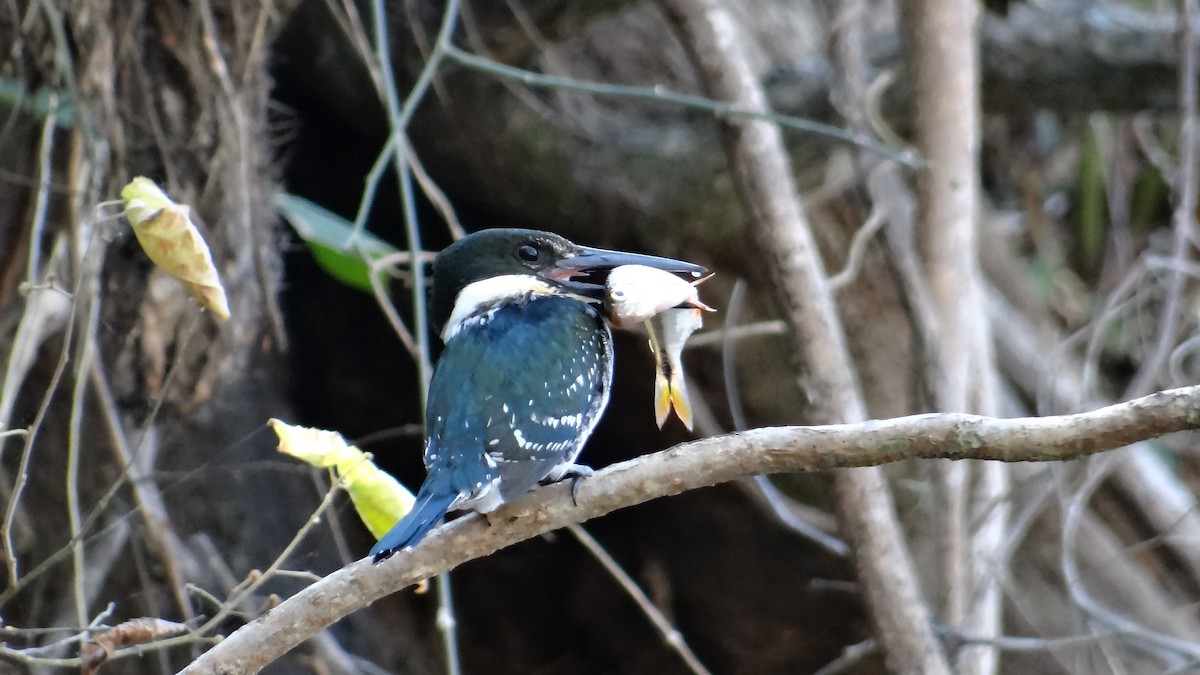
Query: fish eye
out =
(528, 252)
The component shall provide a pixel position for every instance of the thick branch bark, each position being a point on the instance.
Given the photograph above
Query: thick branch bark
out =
(762, 174)
(973, 508)
(690, 466)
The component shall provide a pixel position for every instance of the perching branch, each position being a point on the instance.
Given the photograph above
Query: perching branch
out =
(687, 467)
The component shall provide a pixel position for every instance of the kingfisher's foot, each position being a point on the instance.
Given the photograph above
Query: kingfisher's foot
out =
(576, 473)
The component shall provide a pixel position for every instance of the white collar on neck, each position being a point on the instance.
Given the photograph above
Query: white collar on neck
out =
(487, 294)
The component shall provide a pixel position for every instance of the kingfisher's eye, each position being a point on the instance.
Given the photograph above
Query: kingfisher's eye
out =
(528, 253)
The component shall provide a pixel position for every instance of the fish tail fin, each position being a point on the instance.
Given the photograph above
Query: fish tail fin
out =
(680, 400)
(662, 387)
(663, 397)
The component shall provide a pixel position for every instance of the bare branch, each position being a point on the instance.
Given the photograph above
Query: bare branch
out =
(1184, 218)
(943, 37)
(687, 467)
(762, 173)
(671, 635)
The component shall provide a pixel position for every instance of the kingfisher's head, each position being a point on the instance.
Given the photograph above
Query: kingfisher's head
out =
(490, 267)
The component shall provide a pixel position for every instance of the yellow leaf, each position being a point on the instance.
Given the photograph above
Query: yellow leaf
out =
(379, 499)
(171, 240)
(315, 446)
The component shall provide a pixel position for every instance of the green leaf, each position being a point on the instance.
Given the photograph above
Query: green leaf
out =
(40, 103)
(345, 256)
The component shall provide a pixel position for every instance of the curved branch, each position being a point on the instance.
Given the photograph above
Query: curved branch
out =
(687, 467)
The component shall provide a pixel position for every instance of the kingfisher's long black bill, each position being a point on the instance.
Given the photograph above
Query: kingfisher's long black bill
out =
(587, 272)
(597, 260)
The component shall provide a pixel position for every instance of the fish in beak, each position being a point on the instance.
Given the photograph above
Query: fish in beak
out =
(670, 308)
(587, 273)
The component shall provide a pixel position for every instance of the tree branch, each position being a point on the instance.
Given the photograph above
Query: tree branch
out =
(784, 241)
(687, 467)
(972, 507)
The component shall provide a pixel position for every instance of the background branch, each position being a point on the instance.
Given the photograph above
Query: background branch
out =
(763, 177)
(971, 515)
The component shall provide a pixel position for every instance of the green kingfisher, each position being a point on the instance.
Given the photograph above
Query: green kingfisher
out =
(525, 373)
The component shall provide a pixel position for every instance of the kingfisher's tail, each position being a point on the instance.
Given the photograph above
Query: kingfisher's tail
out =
(430, 507)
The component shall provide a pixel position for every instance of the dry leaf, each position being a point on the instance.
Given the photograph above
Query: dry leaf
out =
(133, 632)
(379, 499)
(171, 240)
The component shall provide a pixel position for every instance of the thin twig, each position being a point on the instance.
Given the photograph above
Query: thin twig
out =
(1014, 643)
(663, 95)
(95, 247)
(91, 300)
(385, 304)
(885, 185)
(433, 192)
(858, 249)
(399, 116)
(447, 623)
(733, 398)
(1075, 510)
(162, 541)
(1183, 220)
(420, 309)
(784, 508)
(42, 198)
(399, 121)
(669, 632)
(47, 309)
(715, 338)
(851, 656)
(762, 485)
(1152, 149)
(102, 503)
(256, 580)
(336, 529)
(352, 26)
(33, 655)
